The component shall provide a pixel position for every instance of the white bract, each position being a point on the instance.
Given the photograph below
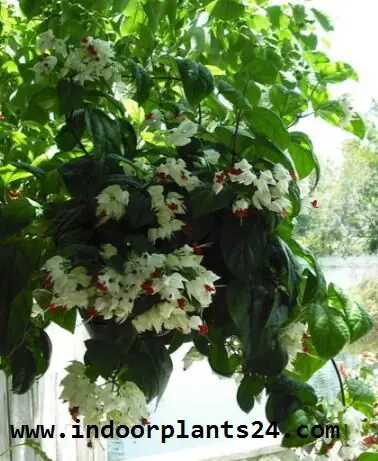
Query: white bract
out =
(112, 202)
(291, 338)
(44, 67)
(181, 135)
(99, 404)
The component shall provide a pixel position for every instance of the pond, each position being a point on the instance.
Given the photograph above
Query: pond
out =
(200, 397)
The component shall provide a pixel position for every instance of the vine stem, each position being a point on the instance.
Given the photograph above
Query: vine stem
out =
(340, 381)
(233, 147)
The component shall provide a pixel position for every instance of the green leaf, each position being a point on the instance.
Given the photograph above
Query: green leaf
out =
(80, 176)
(24, 370)
(302, 152)
(38, 172)
(142, 80)
(288, 103)
(16, 215)
(306, 365)
(233, 95)
(358, 320)
(69, 136)
(265, 121)
(330, 72)
(197, 80)
(290, 386)
(225, 9)
(290, 426)
(242, 245)
(356, 125)
(328, 329)
(105, 132)
(32, 8)
(239, 299)
(70, 96)
(293, 269)
(226, 134)
(219, 360)
(66, 319)
(368, 457)
(245, 395)
(360, 392)
(323, 20)
(262, 71)
(205, 201)
(20, 310)
(103, 356)
(139, 210)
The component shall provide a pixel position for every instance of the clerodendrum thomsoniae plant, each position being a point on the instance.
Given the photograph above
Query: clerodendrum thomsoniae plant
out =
(152, 174)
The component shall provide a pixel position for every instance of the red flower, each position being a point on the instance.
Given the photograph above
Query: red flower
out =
(182, 303)
(147, 287)
(162, 176)
(74, 412)
(101, 287)
(330, 446)
(84, 39)
(196, 248)
(369, 440)
(203, 329)
(209, 288)
(184, 176)
(343, 371)
(149, 116)
(306, 336)
(52, 308)
(241, 213)
(305, 349)
(2, 116)
(315, 204)
(91, 50)
(48, 282)
(293, 175)
(220, 177)
(89, 444)
(144, 421)
(235, 171)
(173, 206)
(187, 228)
(92, 312)
(157, 274)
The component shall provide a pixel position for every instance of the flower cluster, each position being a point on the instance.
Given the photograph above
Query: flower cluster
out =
(91, 61)
(270, 188)
(166, 208)
(99, 404)
(184, 288)
(291, 337)
(175, 169)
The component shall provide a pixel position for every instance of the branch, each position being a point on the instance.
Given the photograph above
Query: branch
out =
(340, 381)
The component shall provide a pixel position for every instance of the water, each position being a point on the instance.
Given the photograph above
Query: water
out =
(199, 397)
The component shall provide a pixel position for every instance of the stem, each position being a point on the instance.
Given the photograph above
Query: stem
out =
(68, 121)
(233, 146)
(199, 114)
(11, 448)
(340, 381)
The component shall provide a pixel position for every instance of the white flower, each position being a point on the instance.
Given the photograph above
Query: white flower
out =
(108, 251)
(44, 67)
(262, 199)
(219, 179)
(46, 40)
(112, 202)
(353, 419)
(280, 173)
(99, 404)
(212, 156)
(240, 208)
(155, 119)
(279, 205)
(291, 337)
(181, 135)
(242, 173)
(265, 179)
(60, 46)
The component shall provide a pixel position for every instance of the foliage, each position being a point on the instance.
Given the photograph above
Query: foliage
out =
(346, 221)
(150, 179)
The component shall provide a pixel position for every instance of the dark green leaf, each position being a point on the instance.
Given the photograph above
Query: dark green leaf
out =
(264, 121)
(205, 201)
(329, 330)
(69, 136)
(323, 20)
(302, 152)
(245, 395)
(197, 80)
(236, 97)
(142, 80)
(70, 96)
(103, 356)
(105, 132)
(16, 215)
(24, 370)
(262, 71)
